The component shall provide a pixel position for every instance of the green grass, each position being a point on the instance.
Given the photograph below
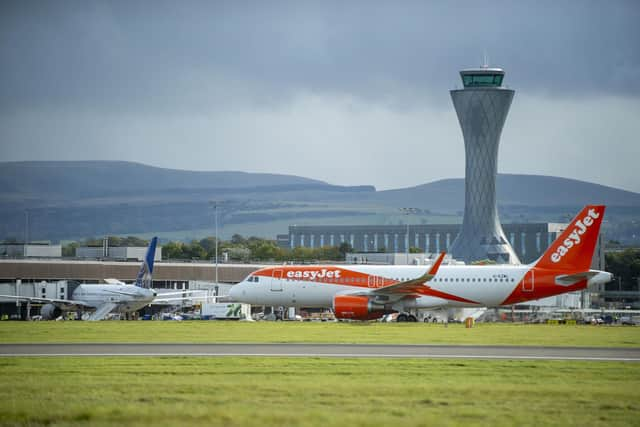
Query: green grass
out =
(312, 332)
(162, 391)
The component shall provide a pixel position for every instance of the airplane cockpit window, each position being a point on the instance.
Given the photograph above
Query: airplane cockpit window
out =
(253, 279)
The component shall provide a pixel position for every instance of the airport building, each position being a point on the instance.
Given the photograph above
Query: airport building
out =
(30, 250)
(528, 240)
(482, 106)
(116, 252)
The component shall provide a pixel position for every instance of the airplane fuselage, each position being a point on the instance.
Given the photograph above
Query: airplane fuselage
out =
(126, 297)
(453, 286)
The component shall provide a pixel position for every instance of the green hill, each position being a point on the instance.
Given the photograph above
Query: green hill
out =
(66, 200)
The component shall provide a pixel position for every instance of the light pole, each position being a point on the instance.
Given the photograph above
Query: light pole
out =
(26, 232)
(215, 219)
(407, 212)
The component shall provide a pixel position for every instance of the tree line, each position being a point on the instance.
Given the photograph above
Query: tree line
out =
(625, 266)
(238, 248)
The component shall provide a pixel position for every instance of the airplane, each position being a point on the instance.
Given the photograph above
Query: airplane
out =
(367, 292)
(102, 299)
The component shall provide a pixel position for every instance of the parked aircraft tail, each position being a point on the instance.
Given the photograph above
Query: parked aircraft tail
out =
(146, 269)
(573, 250)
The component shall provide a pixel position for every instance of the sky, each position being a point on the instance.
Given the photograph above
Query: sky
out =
(349, 92)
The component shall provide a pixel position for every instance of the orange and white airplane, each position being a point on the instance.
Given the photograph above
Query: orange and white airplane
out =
(366, 292)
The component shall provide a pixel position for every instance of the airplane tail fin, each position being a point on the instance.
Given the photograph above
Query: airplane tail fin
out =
(146, 269)
(573, 250)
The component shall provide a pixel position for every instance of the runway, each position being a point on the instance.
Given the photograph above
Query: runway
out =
(327, 350)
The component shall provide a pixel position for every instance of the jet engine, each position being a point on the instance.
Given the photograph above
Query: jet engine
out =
(50, 312)
(358, 308)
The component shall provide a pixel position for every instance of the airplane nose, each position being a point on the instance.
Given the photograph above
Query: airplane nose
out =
(234, 292)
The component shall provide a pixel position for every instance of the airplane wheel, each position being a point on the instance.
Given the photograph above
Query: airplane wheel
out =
(411, 318)
(402, 318)
(426, 320)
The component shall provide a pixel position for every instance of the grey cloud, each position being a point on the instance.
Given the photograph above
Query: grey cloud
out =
(170, 56)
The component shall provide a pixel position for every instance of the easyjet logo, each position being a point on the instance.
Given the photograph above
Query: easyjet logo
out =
(329, 274)
(581, 227)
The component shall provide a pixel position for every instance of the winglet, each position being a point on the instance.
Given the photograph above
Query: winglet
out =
(436, 265)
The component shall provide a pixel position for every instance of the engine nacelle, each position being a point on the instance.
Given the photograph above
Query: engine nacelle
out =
(50, 312)
(357, 308)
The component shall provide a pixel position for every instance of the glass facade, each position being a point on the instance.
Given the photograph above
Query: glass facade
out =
(482, 80)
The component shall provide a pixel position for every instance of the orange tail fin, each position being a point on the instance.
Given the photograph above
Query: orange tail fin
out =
(573, 250)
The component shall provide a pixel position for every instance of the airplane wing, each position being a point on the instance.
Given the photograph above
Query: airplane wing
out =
(114, 282)
(412, 286)
(55, 301)
(160, 299)
(102, 311)
(195, 291)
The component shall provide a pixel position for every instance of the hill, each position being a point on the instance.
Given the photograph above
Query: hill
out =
(512, 191)
(65, 200)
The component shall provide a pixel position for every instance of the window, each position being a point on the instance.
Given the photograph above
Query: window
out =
(480, 80)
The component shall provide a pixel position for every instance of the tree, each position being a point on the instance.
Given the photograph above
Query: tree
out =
(69, 250)
(625, 266)
(173, 250)
(344, 249)
(237, 239)
(209, 245)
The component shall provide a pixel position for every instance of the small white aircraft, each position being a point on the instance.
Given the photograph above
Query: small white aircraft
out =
(101, 299)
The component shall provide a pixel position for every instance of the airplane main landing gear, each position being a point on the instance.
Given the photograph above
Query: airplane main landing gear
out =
(405, 317)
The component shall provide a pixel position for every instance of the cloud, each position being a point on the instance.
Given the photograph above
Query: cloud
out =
(135, 56)
(348, 92)
(345, 141)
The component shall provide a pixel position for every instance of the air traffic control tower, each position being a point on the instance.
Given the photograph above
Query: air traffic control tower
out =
(482, 107)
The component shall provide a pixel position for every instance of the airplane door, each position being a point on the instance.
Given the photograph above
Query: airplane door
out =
(276, 281)
(528, 282)
(373, 281)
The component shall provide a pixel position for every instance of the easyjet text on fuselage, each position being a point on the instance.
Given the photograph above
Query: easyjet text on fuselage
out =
(314, 274)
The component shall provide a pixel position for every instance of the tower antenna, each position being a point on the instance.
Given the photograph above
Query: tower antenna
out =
(485, 60)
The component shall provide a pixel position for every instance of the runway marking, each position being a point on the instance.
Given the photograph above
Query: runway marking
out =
(323, 350)
(331, 355)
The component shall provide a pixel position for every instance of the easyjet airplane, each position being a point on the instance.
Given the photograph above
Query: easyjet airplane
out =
(366, 292)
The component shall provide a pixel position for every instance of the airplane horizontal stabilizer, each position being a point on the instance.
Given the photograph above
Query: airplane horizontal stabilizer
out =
(572, 279)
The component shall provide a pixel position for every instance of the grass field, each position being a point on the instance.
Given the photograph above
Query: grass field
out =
(312, 332)
(167, 391)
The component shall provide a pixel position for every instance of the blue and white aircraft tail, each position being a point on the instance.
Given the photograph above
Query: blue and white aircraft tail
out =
(144, 279)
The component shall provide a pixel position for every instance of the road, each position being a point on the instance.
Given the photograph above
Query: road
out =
(327, 350)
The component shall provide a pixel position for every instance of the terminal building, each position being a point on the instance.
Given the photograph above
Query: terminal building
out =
(529, 241)
(30, 250)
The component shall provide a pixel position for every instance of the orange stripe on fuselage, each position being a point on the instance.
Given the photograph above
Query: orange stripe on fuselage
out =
(543, 286)
(343, 277)
(327, 274)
